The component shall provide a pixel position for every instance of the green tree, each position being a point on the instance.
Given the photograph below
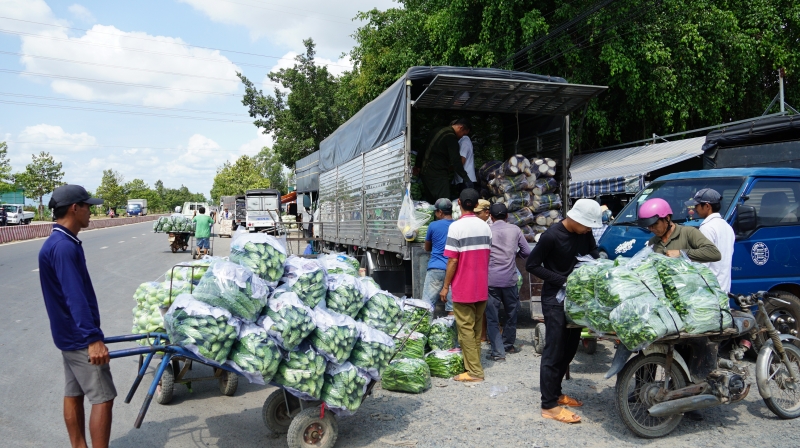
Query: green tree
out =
(301, 119)
(272, 169)
(236, 178)
(111, 189)
(6, 178)
(41, 177)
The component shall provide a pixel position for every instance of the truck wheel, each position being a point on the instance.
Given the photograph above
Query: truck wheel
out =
(539, 337)
(785, 316)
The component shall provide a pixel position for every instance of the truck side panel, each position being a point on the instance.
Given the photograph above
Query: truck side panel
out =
(327, 205)
(349, 187)
(384, 172)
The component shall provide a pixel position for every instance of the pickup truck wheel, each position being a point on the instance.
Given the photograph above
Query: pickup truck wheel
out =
(785, 316)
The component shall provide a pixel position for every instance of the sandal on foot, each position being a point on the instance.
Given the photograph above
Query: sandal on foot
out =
(563, 416)
(467, 378)
(566, 400)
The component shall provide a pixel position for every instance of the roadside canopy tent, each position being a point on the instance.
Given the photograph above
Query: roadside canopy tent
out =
(624, 170)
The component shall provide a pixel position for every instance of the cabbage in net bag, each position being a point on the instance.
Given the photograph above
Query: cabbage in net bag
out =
(306, 278)
(410, 345)
(372, 351)
(255, 355)
(334, 336)
(443, 334)
(445, 363)
(261, 253)
(208, 332)
(345, 295)
(233, 287)
(407, 375)
(302, 373)
(292, 321)
(344, 388)
(381, 311)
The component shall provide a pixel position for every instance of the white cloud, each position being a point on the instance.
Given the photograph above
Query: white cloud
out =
(81, 13)
(30, 11)
(41, 134)
(255, 145)
(287, 23)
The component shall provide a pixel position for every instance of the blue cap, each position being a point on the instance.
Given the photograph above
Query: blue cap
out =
(705, 196)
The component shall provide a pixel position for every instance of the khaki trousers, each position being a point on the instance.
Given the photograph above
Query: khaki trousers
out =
(469, 318)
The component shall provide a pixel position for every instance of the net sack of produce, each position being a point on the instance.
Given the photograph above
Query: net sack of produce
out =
(410, 345)
(158, 225)
(302, 372)
(548, 218)
(520, 218)
(516, 200)
(189, 271)
(146, 314)
(261, 253)
(545, 202)
(543, 167)
(170, 291)
(417, 315)
(501, 185)
(544, 186)
(306, 278)
(343, 388)
(207, 331)
(407, 375)
(372, 351)
(443, 335)
(489, 170)
(445, 363)
(640, 321)
(345, 295)
(381, 311)
(255, 355)
(233, 287)
(334, 336)
(291, 320)
(339, 264)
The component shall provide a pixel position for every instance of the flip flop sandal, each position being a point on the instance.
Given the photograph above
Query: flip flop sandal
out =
(564, 416)
(467, 378)
(566, 400)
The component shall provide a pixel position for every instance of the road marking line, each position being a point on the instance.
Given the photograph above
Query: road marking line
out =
(35, 270)
(122, 241)
(133, 237)
(104, 247)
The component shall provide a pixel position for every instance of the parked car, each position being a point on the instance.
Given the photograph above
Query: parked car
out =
(17, 215)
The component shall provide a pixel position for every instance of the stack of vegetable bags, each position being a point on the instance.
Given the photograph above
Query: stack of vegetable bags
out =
(407, 375)
(372, 351)
(443, 334)
(290, 321)
(234, 288)
(205, 330)
(334, 336)
(255, 355)
(343, 388)
(174, 223)
(381, 311)
(261, 253)
(306, 278)
(339, 264)
(302, 373)
(147, 318)
(345, 294)
(445, 363)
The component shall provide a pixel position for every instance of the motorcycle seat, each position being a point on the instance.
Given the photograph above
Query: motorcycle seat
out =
(743, 322)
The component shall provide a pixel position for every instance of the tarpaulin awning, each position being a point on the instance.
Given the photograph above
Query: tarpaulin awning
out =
(306, 173)
(771, 141)
(624, 170)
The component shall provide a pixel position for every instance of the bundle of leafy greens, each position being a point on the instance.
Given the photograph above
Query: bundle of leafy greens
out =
(445, 364)
(407, 375)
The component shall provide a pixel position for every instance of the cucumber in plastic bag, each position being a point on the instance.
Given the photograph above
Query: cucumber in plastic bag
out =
(343, 388)
(206, 331)
(255, 355)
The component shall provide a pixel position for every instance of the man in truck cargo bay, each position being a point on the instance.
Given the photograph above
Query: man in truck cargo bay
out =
(441, 158)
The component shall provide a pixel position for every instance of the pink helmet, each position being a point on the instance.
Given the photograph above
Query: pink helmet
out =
(652, 210)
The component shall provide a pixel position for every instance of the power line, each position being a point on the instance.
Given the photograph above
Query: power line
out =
(285, 12)
(118, 146)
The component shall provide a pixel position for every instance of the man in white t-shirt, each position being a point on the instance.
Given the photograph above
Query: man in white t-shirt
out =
(468, 160)
(706, 204)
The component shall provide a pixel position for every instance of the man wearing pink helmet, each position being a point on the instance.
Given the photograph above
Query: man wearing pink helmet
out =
(670, 239)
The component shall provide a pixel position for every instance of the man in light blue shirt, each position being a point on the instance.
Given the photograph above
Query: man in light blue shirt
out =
(435, 241)
(465, 150)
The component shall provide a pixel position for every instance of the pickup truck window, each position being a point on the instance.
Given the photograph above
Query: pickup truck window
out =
(776, 202)
(254, 204)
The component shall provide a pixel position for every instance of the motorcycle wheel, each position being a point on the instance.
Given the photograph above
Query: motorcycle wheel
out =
(784, 393)
(637, 384)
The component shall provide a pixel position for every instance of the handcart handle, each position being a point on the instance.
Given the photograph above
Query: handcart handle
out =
(134, 337)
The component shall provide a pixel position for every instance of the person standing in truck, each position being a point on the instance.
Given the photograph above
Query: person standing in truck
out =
(440, 158)
(465, 149)
(435, 241)
(707, 204)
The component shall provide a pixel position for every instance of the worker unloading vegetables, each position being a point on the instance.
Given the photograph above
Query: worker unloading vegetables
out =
(440, 158)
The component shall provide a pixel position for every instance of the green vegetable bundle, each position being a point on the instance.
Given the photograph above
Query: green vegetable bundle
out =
(292, 321)
(343, 388)
(617, 284)
(445, 364)
(372, 351)
(306, 278)
(344, 294)
(261, 253)
(174, 223)
(189, 271)
(411, 345)
(146, 314)
(576, 314)
(407, 375)
(255, 355)
(369, 285)
(381, 311)
(334, 336)
(177, 288)
(339, 264)
(581, 283)
(206, 331)
(417, 313)
(302, 373)
(234, 288)
(443, 335)
(641, 321)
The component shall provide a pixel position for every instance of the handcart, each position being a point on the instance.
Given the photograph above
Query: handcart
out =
(196, 251)
(179, 241)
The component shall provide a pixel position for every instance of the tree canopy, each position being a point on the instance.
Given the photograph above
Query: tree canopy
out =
(41, 177)
(6, 178)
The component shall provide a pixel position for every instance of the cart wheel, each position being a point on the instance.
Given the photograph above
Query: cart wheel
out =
(590, 345)
(228, 383)
(307, 429)
(538, 338)
(166, 387)
(276, 416)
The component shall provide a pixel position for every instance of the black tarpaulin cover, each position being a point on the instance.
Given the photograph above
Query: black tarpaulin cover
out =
(760, 132)
(307, 173)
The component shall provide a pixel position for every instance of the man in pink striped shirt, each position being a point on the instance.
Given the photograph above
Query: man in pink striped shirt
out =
(469, 243)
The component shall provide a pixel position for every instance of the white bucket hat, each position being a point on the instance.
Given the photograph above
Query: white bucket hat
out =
(586, 212)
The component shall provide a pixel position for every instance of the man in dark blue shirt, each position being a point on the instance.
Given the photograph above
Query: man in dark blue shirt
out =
(75, 319)
(435, 240)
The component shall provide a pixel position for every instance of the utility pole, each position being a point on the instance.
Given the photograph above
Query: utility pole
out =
(780, 77)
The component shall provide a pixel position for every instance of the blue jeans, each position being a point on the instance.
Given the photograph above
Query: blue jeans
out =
(202, 243)
(434, 280)
(507, 299)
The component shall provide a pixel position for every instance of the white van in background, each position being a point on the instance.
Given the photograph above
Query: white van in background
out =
(190, 207)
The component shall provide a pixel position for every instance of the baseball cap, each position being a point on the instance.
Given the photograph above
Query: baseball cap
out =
(704, 196)
(444, 205)
(71, 194)
(498, 210)
(483, 204)
(469, 197)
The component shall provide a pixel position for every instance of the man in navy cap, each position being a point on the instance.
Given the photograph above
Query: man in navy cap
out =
(75, 319)
(435, 240)
(707, 203)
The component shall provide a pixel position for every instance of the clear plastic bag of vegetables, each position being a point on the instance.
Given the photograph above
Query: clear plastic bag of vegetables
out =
(407, 375)
(409, 219)
(146, 314)
(445, 363)
(170, 291)
(640, 321)
(302, 372)
(576, 314)
(233, 287)
(443, 335)
(205, 330)
(292, 321)
(254, 354)
(410, 345)
(382, 310)
(189, 271)
(369, 285)
(343, 388)
(501, 185)
(517, 200)
(584, 308)
(545, 202)
(372, 351)
(417, 315)
(520, 218)
(263, 254)
(306, 278)
(345, 295)
(339, 264)
(334, 336)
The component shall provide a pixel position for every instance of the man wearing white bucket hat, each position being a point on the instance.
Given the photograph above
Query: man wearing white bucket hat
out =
(553, 259)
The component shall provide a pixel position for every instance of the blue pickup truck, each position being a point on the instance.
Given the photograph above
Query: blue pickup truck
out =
(761, 204)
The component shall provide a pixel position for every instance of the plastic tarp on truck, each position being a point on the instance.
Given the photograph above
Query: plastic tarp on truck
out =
(307, 173)
(773, 141)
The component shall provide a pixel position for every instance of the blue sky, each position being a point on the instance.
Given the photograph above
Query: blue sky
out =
(60, 58)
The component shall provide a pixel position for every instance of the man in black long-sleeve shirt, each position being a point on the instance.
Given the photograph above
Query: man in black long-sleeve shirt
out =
(440, 158)
(553, 259)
